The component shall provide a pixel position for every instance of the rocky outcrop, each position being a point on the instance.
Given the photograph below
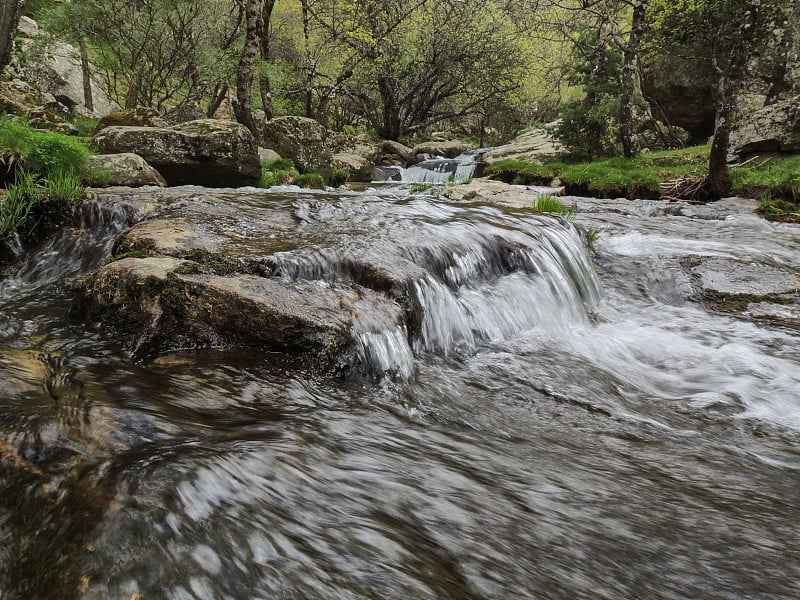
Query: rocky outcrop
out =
(54, 68)
(206, 152)
(201, 271)
(774, 128)
(126, 169)
(533, 146)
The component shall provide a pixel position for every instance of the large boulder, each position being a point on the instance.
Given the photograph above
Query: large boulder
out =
(445, 149)
(774, 128)
(534, 145)
(126, 169)
(301, 139)
(136, 117)
(358, 156)
(206, 152)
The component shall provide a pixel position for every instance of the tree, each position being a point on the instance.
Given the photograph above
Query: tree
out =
(171, 55)
(630, 63)
(10, 12)
(410, 65)
(727, 34)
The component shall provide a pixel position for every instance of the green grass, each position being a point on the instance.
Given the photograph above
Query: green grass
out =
(43, 176)
(281, 171)
(774, 181)
(639, 177)
(554, 206)
(40, 152)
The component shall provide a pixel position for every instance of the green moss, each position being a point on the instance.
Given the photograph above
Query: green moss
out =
(739, 302)
(133, 247)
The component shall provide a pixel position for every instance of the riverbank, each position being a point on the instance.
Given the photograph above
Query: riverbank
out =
(772, 180)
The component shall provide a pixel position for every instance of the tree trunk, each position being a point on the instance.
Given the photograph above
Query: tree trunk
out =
(10, 12)
(598, 61)
(263, 80)
(311, 68)
(390, 123)
(248, 64)
(88, 101)
(729, 64)
(627, 128)
(719, 173)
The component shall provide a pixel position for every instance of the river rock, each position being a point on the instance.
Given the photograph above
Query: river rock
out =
(137, 117)
(446, 149)
(533, 146)
(497, 192)
(161, 304)
(774, 128)
(756, 289)
(301, 139)
(207, 152)
(126, 169)
(357, 155)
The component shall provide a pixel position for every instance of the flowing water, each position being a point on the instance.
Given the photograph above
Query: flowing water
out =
(559, 422)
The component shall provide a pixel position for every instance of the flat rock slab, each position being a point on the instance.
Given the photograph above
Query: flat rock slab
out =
(497, 192)
(753, 289)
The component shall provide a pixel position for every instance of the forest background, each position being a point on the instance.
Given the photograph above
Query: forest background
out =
(400, 69)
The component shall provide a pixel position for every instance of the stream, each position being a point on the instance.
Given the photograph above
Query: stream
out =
(577, 426)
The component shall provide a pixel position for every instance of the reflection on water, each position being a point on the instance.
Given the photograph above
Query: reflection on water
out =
(641, 448)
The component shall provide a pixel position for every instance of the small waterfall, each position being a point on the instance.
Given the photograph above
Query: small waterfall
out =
(433, 170)
(477, 279)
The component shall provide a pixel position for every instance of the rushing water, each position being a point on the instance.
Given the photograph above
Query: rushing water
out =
(555, 429)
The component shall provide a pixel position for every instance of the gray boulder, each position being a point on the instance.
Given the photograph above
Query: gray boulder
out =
(303, 140)
(126, 169)
(207, 152)
(774, 128)
(534, 145)
(446, 149)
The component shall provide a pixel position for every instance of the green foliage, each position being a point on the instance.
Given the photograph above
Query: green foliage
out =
(554, 206)
(639, 177)
(420, 187)
(281, 171)
(776, 178)
(17, 203)
(592, 235)
(86, 126)
(30, 201)
(41, 152)
(47, 182)
(310, 180)
(278, 164)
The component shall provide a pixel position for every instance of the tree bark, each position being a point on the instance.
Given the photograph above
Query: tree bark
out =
(598, 61)
(263, 81)
(10, 12)
(312, 69)
(630, 141)
(88, 101)
(248, 64)
(730, 61)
